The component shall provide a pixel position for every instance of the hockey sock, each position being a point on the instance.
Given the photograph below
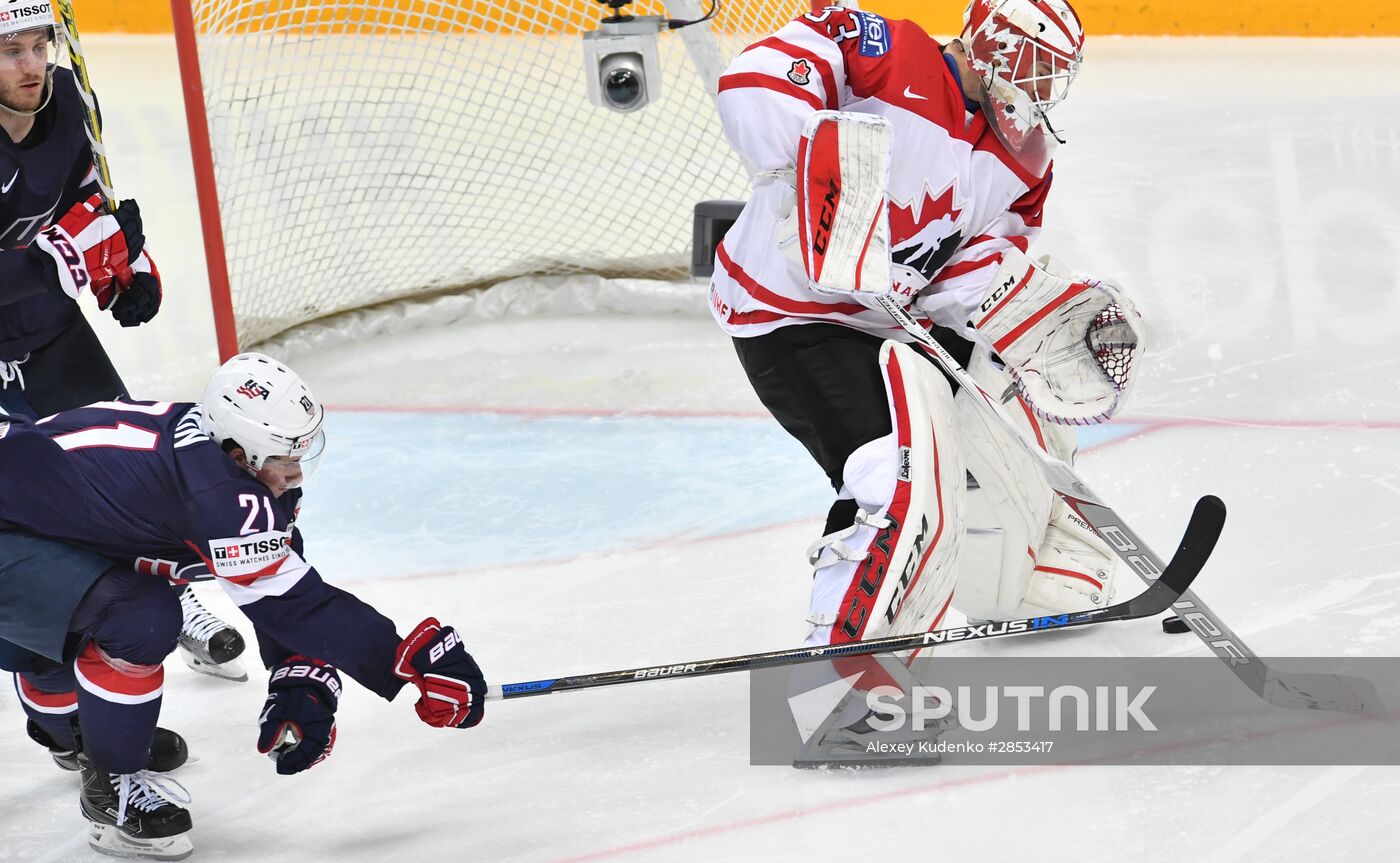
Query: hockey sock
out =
(119, 703)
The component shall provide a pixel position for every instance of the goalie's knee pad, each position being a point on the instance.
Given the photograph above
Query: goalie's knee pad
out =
(1027, 553)
(892, 570)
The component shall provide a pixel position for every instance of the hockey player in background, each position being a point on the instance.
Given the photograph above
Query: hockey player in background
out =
(58, 242)
(134, 493)
(930, 495)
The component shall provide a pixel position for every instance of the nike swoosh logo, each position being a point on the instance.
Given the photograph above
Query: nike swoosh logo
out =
(5, 188)
(910, 94)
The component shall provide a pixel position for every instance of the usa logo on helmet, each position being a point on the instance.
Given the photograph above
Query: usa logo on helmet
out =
(251, 389)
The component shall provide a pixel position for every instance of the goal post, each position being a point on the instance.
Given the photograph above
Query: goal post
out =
(353, 153)
(206, 188)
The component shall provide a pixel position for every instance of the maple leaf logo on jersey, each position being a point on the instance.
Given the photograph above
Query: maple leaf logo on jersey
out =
(800, 73)
(922, 233)
(251, 389)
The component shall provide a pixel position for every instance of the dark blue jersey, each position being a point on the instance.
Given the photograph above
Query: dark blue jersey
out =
(41, 178)
(141, 483)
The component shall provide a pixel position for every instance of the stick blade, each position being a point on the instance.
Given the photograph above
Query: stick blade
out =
(1197, 543)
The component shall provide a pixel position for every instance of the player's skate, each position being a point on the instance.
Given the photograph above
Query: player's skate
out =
(168, 749)
(135, 815)
(208, 644)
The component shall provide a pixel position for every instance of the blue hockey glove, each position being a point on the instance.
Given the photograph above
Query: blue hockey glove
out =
(297, 726)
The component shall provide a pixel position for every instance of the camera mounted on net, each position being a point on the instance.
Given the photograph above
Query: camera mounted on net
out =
(621, 58)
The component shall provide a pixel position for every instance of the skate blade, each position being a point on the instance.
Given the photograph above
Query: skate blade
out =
(231, 670)
(107, 839)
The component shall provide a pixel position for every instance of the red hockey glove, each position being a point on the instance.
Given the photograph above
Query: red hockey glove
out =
(93, 249)
(451, 689)
(297, 726)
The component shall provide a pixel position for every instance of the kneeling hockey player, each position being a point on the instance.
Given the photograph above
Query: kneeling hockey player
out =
(101, 506)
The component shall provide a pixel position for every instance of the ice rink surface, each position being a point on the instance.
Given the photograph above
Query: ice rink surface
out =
(583, 494)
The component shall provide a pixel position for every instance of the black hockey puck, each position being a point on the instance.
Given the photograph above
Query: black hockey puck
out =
(1174, 625)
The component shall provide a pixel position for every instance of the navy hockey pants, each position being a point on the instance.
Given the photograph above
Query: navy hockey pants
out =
(86, 637)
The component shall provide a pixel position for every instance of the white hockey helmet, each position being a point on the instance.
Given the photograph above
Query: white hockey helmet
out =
(1025, 54)
(17, 16)
(266, 409)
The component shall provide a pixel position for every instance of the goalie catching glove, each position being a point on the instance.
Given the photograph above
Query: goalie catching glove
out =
(105, 253)
(452, 692)
(1072, 345)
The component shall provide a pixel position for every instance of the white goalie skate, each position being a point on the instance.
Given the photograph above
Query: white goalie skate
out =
(849, 733)
(208, 644)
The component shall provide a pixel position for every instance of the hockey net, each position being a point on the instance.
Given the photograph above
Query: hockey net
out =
(367, 151)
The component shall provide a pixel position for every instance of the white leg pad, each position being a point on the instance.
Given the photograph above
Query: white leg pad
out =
(1027, 553)
(894, 571)
(1008, 500)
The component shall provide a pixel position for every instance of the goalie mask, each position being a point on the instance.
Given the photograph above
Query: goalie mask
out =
(1025, 54)
(28, 54)
(267, 411)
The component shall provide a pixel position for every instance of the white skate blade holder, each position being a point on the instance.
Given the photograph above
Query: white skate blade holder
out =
(110, 840)
(231, 670)
(843, 169)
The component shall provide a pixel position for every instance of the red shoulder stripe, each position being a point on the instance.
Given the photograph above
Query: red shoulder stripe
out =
(798, 53)
(755, 80)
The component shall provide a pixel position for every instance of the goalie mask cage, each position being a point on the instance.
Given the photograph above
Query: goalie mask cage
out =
(350, 153)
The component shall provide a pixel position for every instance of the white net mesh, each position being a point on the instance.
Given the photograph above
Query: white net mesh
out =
(370, 150)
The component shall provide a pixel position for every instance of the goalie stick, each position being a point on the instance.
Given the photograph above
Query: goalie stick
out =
(1202, 531)
(1305, 691)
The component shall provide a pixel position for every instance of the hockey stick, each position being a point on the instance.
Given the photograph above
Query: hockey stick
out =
(1308, 691)
(1196, 545)
(91, 121)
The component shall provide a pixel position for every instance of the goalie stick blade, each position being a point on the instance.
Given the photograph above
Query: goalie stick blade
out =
(1313, 691)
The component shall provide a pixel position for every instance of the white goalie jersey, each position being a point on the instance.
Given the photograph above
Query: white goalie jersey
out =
(957, 198)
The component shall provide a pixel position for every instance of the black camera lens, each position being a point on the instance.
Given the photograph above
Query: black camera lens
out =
(623, 86)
